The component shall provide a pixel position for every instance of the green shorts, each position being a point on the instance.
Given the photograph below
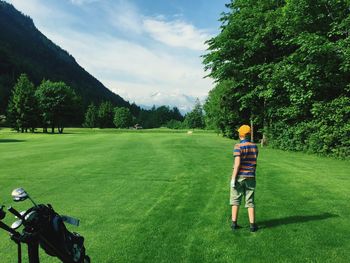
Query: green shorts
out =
(244, 186)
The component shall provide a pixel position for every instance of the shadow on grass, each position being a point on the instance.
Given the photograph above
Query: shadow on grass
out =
(10, 140)
(295, 220)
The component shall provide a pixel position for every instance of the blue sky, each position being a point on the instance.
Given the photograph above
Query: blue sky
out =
(147, 51)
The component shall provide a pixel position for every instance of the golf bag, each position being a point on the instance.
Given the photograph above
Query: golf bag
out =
(45, 228)
(54, 237)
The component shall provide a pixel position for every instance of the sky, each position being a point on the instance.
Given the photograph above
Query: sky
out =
(146, 51)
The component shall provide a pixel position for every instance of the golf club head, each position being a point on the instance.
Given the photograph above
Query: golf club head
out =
(19, 194)
(30, 216)
(15, 225)
(22, 213)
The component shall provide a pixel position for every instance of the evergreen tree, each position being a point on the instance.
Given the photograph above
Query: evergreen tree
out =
(23, 111)
(195, 118)
(158, 116)
(2, 120)
(162, 115)
(176, 114)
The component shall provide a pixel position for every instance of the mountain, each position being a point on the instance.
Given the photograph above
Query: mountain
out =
(24, 49)
(184, 103)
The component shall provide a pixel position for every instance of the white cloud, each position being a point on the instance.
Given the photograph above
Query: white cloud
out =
(44, 16)
(129, 67)
(176, 33)
(82, 2)
(124, 16)
(145, 95)
(134, 71)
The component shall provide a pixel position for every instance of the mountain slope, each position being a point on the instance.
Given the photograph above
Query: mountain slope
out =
(24, 49)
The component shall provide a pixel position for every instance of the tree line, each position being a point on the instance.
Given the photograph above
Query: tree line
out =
(285, 67)
(54, 105)
(107, 116)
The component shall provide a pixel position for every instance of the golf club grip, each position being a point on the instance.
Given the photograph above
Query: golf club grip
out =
(8, 229)
(2, 212)
(15, 212)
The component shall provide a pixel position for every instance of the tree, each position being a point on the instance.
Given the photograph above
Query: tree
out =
(175, 114)
(23, 111)
(195, 119)
(2, 120)
(91, 117)
(162, 115)
(274, 62)
(58, 104)
(221, 112)
(174, 124)
(245, 50)
(106, 115)
(122, 117)
(158, 116)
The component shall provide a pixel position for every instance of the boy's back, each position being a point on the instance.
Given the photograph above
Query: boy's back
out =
(248, 152)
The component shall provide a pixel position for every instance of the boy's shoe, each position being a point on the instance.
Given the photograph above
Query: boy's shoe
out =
(234, 226)
(253, 227)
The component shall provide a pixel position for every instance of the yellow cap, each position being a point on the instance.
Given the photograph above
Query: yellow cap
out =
(244, 130)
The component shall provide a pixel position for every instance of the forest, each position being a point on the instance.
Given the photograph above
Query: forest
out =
(285, 67)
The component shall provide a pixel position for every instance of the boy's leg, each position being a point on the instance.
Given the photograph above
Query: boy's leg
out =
(249, 192)
(249, 195)
(251, 214)
(235, 201)
(235, 209)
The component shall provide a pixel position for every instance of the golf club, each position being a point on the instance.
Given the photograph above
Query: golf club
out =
(43, 227)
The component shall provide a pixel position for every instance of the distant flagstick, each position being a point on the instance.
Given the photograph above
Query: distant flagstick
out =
(251, 130)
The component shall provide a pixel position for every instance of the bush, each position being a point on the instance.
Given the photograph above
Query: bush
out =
(327, 133)
(175, 124)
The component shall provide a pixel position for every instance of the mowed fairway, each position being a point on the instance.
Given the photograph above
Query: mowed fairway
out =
(159, 196)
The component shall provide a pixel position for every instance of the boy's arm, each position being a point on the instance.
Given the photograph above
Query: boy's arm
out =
(236, 167)
(237, 162)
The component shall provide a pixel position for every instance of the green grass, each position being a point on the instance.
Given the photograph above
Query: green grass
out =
(158, 196)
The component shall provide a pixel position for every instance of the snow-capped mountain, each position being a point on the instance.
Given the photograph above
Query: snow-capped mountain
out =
(183, 102)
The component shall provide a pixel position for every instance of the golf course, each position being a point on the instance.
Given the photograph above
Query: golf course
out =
(162, 196)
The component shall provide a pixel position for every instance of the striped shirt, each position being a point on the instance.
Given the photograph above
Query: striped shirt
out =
(248, 152)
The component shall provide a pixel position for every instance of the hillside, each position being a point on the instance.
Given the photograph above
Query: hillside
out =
(24, 49)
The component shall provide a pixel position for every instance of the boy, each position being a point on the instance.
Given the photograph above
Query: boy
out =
(243, 177)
